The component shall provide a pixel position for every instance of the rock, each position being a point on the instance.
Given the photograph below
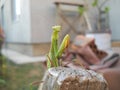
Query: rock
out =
(61, 78)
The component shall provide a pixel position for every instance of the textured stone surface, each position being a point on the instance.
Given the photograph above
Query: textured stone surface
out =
(61, 78)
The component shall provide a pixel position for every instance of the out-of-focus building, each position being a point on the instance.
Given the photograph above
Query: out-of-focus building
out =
(27, 23)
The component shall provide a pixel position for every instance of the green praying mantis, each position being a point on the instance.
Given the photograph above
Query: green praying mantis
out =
(55, 50)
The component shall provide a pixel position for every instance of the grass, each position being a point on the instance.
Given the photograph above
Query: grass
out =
(20, 76)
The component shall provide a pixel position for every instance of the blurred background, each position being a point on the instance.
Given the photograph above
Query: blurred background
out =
(26, 28)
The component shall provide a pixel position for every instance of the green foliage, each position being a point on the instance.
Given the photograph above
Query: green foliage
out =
(56, 51)
(102, 10)
(81, 10)
(2, 82)
(63, 46)
(33, 87)
(3, 66)
(100, 7)
(49, 63)
(2, 70)
(95, 3)
(20, 76)
(107, 9)
(52, 60)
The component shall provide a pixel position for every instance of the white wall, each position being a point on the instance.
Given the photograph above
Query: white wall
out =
(37, 18)
(115, 19)
(42, 19)
(18, 31)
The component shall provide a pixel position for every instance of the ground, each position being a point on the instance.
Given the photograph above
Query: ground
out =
(20, 76)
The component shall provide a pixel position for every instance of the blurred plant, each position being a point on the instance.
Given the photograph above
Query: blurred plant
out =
(102, 9)
(2, 70)
(2, 60)
(56, 51)
(2, 82)
(3, 66)
(34, 85)
(81, 10)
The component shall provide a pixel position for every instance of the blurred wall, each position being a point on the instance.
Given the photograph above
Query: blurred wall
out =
(42, 19)
(37, 18)
(16, 31)
(115, 19)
